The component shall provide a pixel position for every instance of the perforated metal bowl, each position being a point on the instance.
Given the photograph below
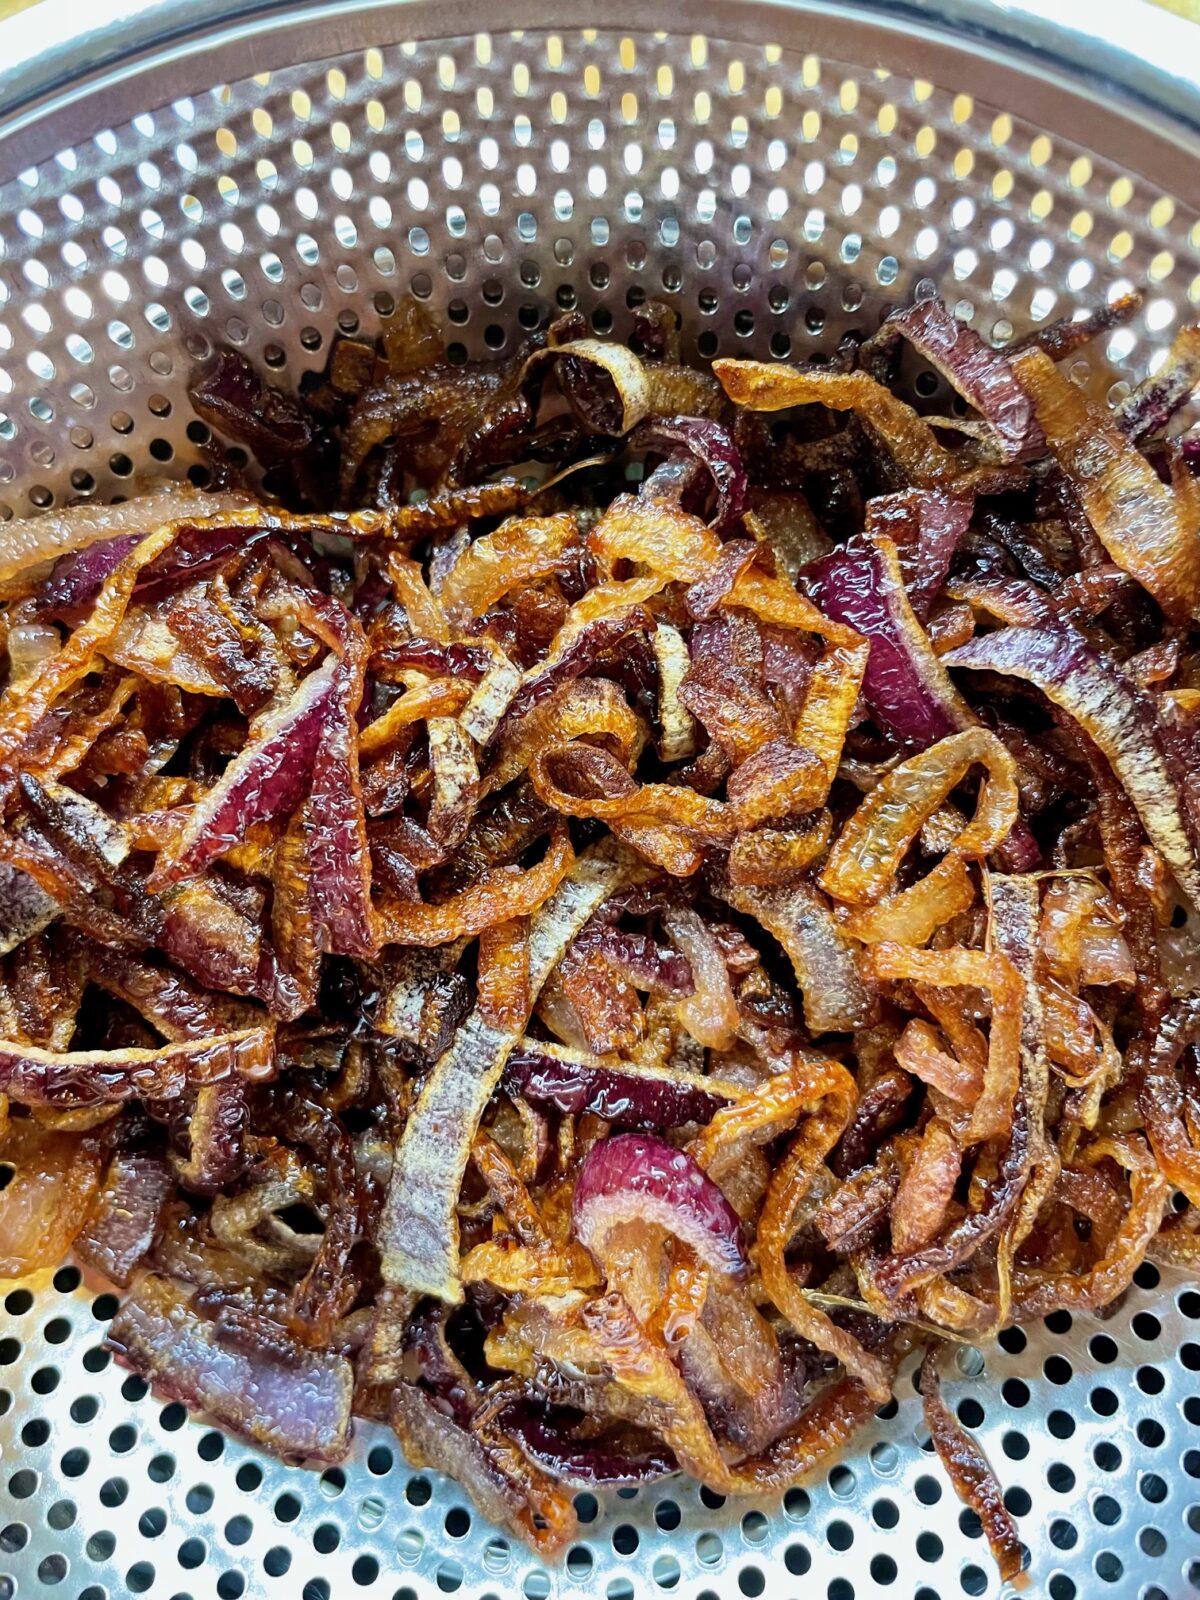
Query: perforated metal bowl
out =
(782, 174)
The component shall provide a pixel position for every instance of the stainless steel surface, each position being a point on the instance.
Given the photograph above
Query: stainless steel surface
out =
(781, 173)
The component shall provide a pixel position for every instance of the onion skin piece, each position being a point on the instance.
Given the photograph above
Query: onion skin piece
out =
(75, 1079)
(905, 685)
(982, 376)
(1138, 519)
(632, 1097)
(1114, 711)
(292, 1401)
(969, 1471)
(633, 1177)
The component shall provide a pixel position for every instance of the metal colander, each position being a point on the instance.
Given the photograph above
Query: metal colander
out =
(780, 174)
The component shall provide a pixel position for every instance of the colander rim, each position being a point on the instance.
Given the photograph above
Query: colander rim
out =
(74, 76)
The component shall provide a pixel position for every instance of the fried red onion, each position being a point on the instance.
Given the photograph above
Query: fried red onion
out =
(1114, 711)
(584, 1463)
(925, 526)
(124, 1221)
(70, 1079)
(907, 688)
(292, 1401)
(651, 1098)
(505, 1484)
(712, 446)
(982, 376)
(798, 915)
(969, 1470)
(604, 384)
(1145, 526)
(633, 1177)
(266, 780)
(232, 396)
(972, 1147)
(61, 533)
(417, 1233)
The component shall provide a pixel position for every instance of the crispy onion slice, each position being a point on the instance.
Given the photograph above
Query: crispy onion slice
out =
(417, 1234)
(636, 1177)
(982, 376)
(992, 1112)
(496, 896)
(521, 551)
(969, 1470)
(1037, 1294)
(1138, 519)
(54, 1184)
(653, 1098)
(68, 1079)
(764, 386)
(905, 684)
(1165, 1104)
(292, 1401)
(790, 1183)
(867, 854)
(1113, 711)
(58, 533)
(799, 916)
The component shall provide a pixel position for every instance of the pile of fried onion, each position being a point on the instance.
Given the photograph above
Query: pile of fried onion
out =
(604, 905)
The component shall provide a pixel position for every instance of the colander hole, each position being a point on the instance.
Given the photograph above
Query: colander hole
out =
(797, 1559)
(192, 1553)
